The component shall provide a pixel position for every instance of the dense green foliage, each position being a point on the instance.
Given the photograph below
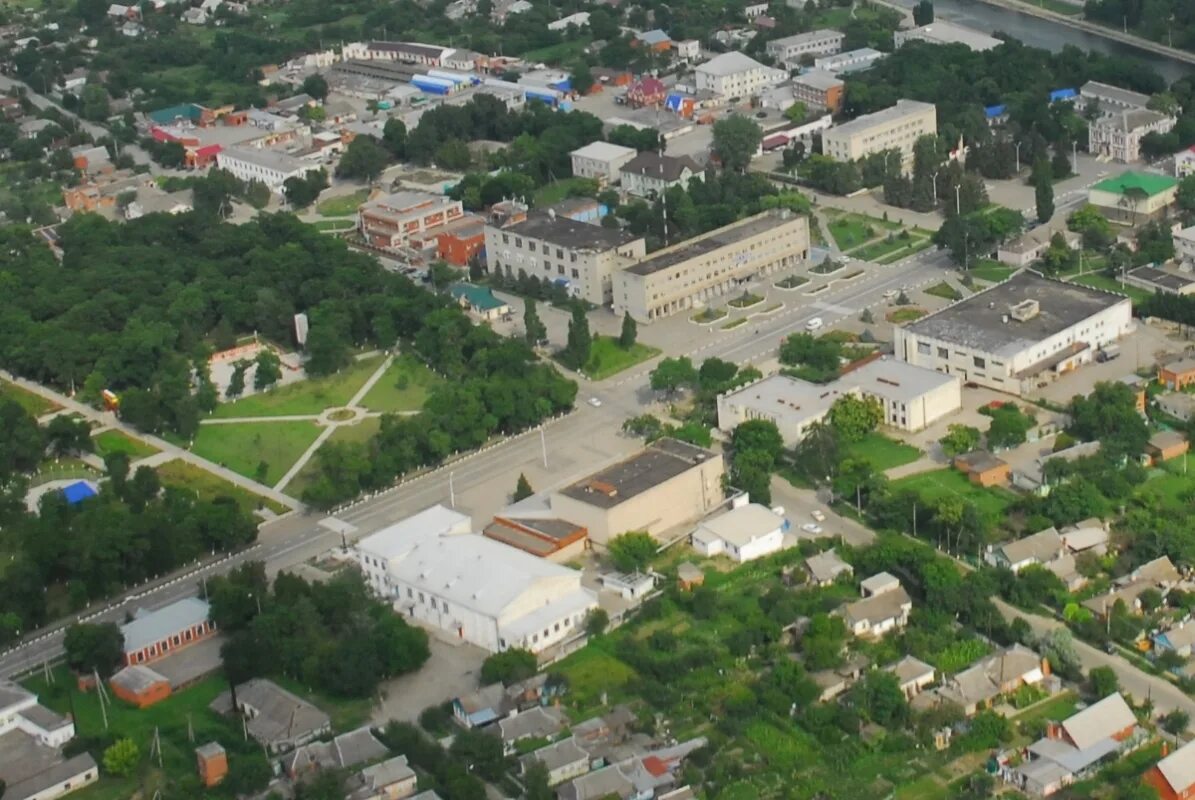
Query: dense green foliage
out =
(509, 666)
(333, 635)
(93, 648)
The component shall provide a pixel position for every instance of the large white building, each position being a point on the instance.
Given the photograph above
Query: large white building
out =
(942, 32)
(32, 765)
(736, 75)
(895, 128)
(742, 534)
(434, 569)
(912, 398)
(601, 161)
(789, 49)
(1118, 135)
(270, 167)
(1018, 334)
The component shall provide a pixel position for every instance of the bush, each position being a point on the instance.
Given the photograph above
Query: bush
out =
(510, 666)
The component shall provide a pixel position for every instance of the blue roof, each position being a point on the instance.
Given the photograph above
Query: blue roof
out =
(656, 36)
(1063, 94)
(995, 111)
(78, 492)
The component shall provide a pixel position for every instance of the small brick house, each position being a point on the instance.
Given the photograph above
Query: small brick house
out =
(983, 469)
(1174, 776)
(156, 634)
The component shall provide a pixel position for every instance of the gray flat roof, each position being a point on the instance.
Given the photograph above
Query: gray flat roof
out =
(978, 321)
(897, 380)
(903, 108)
(818, 79)
(569, 232)
(661, 461)
(723, 237)
(1159, 277)
(788, 399)
(811, 36)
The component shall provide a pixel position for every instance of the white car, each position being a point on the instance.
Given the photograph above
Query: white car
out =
(890, 294)
(814, 324)
(811, 527)
(817, 515)
(593, 401)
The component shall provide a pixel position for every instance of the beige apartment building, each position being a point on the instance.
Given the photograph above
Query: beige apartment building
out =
(680, 277)
(389, 222)
(895, 128)
(577, 255)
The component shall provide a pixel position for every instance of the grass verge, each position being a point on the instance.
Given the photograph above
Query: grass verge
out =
(304, 397)
(881, 452)
(190, 478)
(403, 387)
(114, 441)
(940, 483)
(34, 404)
(607, 358)
(945, 291)
(342, 206)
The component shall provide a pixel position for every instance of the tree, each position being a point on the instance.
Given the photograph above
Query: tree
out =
(394, 138)
(854, 417)
(481, 750)
(364, 159)
(580, 341)
(1109, 415)
(121, 758)
(758, 434)
(633, 551)
(959, 439)
(94, 648)
(735, 140)
(1009, 427)
(879, 697)
(1102, 682)
(269, 369)
(673, 374)
(1186, 193)
(302, 192)
(796, 113)
(509, 666)
(523, 488)
(535, 782)
(923, 13)
(66, 435)
(630, 331)
(596, 622)
(582, 78)
(535, 330)
(236, 382)
(328, 784)
(316, 86)
(1043, 190)
(1176, 722)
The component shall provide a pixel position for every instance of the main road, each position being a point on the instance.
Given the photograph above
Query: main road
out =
(478, 483)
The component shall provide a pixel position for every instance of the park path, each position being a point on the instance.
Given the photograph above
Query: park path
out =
(110, 420)
(242, 420)
(923, 464)
(331, 426)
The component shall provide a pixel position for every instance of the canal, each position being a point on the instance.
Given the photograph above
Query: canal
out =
(1044, 33)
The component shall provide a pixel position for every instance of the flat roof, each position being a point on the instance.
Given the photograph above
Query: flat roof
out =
(811, 36)
(948, 33)
(722, 237)
(897, 380)
(743, 525)
(1147, 182)
(902, 109)
(978, 321)
(398, 539)
(603, 151)
(789, 400)
(266, 158)
(567, 232)
(818, 79)
(659, 462)
(1174, 281)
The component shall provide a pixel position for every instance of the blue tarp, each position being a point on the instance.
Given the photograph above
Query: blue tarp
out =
(995, 111)
(1063, 94)
(78, 492)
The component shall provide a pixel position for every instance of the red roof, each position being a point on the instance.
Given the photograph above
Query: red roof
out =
(648, 86)
(209, 150)
(655, 765)
(779, 140)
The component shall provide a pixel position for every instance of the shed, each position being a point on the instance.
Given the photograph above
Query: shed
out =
(140, 686)
(689, 576)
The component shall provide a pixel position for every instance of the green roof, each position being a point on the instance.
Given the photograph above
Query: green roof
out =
(1147, 182)
(479, 297)
(165, 116)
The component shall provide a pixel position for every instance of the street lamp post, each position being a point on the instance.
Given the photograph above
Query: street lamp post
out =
(1018, 147)
(936, 174)
(958, 203)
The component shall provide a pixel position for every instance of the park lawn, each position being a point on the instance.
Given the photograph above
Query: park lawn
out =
(114, 441)
(556, 191)
(918, 244)
(243, 446)
(34, 404)
(606, 358)
(359, 433)
(309, 396)
(343, 205)
(940, 483)
(414, 378)
(944, 290)
(190, 478)
(881, 452)
(881, 249)
(849, 232)
(991, 271)
(1100, 281)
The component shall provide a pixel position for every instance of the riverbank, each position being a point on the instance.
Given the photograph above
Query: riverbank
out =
(1091, 27)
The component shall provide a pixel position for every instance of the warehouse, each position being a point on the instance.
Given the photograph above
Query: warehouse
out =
(1017, 335)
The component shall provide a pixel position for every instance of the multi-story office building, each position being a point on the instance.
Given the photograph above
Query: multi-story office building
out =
(1118, 135)
(788, 50)
(895, 128)
(736, 75)
(392, 221)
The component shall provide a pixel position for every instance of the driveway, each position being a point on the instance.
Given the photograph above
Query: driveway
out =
(798, 505)
(452, 670)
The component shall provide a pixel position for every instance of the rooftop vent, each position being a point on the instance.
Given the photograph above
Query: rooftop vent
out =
(602, 487)
(1025, 310)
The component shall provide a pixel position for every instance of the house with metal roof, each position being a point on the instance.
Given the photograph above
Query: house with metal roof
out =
(480, 301)
(742, 534)
(279, 720)
(156, 634)
(824, 568)
(1174, 776)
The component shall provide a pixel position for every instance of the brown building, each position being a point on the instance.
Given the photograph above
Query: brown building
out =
(1177, 375)
(212, 763)
(983, 469)
(140, 686)
(1174, 776)
(553, 539)
(156, 634)
(689, 576)
(1165, 445)
(394, 220)
(819, 89)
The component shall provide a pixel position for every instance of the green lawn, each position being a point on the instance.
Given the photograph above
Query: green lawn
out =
(927, 787)
(243, 446)
(304, 397)
(342, 206)
(403, 387)
(558, 190)
(606, 358)
(335, 225)
(944, 290)
(114, 441)
(849, 232)
(190, 478)
(881, 452)
(944, 482)
(590, 672)
(883, 248)
(34, 404)
(917, 246)
(1099, 281)
(991, 271)
(1056, 708)
(362, 432)
(906, 314)
(1169, 487)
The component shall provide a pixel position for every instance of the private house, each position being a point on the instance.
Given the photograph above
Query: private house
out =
(495, 701)
(983, 469)
(743, 534)
(655, 40)
(650, 174)
(277, 719)
(1086, 535)
(1158, 574)
(343, 752)
(1179, 639)
(564, 760)
(1165, 445)
(535, 723)
(914, 675)
(1179, 405)
(1038, 548)
(155, 634)
(824, 568)
(480, 302)
(1024, 250)
(1177, 375)
(978, 686)
(392, 779)
(885, 607)
(1174, 776)
(140, 686)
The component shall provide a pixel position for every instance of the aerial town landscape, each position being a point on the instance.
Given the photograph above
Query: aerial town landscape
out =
(597, 400)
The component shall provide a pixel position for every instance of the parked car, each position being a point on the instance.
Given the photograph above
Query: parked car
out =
(593, 401)
(817, 515)
(814, 324)
(811, 527)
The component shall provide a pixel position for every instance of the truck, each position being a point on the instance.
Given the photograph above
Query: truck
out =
(1107, 353)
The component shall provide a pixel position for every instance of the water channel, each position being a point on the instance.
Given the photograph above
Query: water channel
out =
(1045, 33)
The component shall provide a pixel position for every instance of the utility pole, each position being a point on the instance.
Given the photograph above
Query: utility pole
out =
(936, 174)
(914, 520)
(451, 491)
(1018, 146)
(543, 445)
(958, 203)
(101, 696)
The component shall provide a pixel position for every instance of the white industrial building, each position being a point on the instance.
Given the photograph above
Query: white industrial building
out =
(912, 398)
(434, 569)
(742, 534)
(789, 49)
(942, 32)
(736, 75)
(1018, 334)
(271, 168)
